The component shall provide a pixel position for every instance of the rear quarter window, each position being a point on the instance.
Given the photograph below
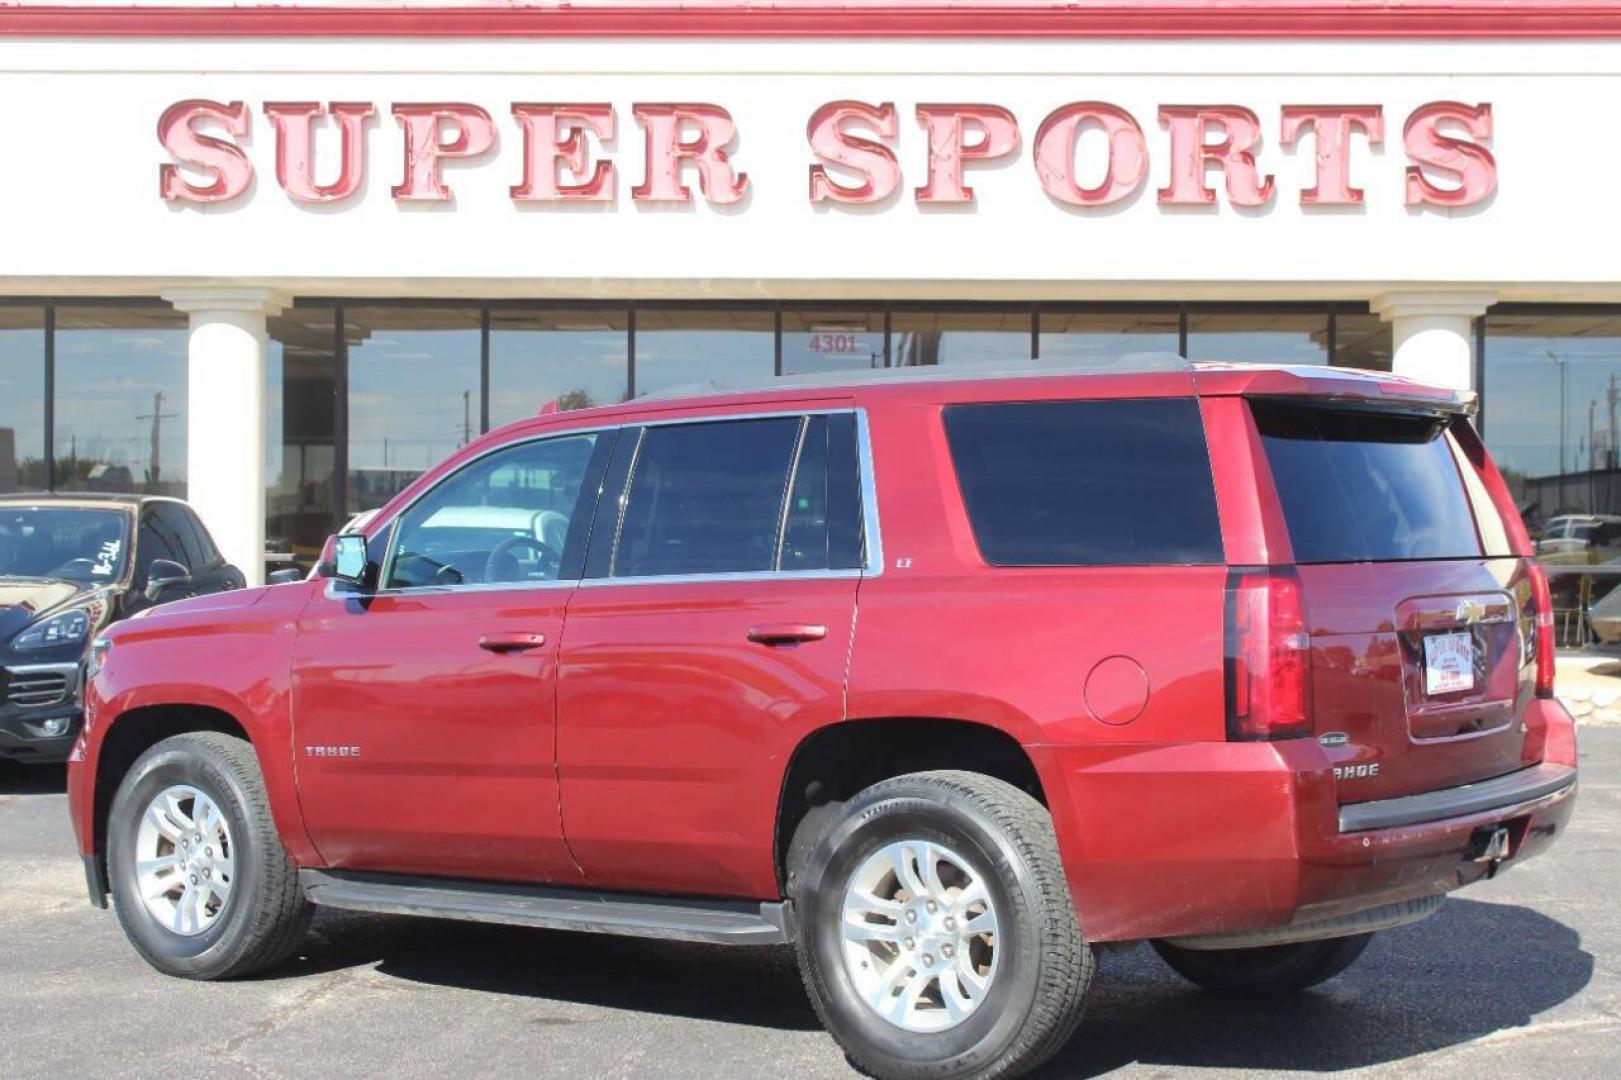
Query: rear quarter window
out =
(1087, 483)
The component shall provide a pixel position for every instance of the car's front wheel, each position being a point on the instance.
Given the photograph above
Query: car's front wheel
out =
(198, 874)
(1267, 970)
(936, 933)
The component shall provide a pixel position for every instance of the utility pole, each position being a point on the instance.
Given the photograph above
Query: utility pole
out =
(1612, 395)
(154, 467)
(467, 417)
(1564, 403)
(1592, 406)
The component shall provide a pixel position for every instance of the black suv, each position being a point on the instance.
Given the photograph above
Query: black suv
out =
(69, 565)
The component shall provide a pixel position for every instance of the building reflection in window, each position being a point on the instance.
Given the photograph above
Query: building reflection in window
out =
(723, 346)
(413, 394)
(831, 339)
(301, 431)
(575, 357)
(1554, 409)
(121, 398)
(1362, 340)
(22, 398)
(964, 338)
(1277, 336)
(1103, 338)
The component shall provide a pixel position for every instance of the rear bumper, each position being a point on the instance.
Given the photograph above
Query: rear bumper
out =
(1228, 838)
(1520, 791)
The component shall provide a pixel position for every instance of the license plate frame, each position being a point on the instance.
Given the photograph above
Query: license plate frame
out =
(1449, 663)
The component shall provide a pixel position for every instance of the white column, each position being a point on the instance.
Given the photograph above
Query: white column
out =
(1433, 333)
(225, 416)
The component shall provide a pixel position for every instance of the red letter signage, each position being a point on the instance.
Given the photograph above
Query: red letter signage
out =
(554, 137)
(1191, 151)
(1427, 147)
(1125, 166)
(949, 149)
(835, 146)
(1332, 126)
(295, 148)
(222, 160)
(681, 133)
(426, 145)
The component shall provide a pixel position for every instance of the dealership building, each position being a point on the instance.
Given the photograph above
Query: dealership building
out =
(281, 259)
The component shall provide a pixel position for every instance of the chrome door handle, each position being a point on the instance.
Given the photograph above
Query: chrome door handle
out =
(786, 633)
(507, 643)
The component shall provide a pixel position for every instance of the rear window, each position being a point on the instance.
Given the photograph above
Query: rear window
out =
(1367, 486)
(1087, 483)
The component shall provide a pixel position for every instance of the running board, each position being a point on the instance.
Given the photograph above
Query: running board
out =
(718, 922)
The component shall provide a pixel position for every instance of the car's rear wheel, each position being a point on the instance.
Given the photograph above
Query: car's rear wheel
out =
(1268, 970)
(936, 933)
(200, 880)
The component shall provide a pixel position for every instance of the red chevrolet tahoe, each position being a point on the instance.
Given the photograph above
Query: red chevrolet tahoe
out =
(944, 680)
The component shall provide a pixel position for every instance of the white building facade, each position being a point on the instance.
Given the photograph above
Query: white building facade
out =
(280, 260)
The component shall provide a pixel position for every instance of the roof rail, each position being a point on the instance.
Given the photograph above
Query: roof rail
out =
(1129, 363)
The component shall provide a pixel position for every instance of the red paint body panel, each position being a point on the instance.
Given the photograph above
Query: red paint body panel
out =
(643, 745)
(457, 774)
(227, 651)
(675, 728)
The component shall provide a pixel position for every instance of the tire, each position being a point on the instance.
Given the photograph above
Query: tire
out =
(989, 839)
(1266, 971)
(263, 915)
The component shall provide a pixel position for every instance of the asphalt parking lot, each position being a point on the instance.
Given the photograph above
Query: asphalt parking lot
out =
(1518, 976)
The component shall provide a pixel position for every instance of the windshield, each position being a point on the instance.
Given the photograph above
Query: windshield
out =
(61, 543)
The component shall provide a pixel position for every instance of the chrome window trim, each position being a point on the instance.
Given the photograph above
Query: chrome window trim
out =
(788, 493)
(728, 576)
(872, 535)
(623, 499)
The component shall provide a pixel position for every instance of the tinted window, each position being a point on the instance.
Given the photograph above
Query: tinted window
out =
(804, 532)
(205, 542)
(507, 517)
(1087, 483)
(822, 530)
(1362, 486)
(707, 498)
(156, 542)
(176, 525)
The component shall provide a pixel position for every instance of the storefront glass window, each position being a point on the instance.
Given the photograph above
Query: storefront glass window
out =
(1270, 337)
(675, 347)
(831, 339)
(1553, 411)
(576, 357)
(301, 428)
(22, 398)
(966, 339)
(1107, 337)
(121, 398)
(413, 394)
(1362, 340)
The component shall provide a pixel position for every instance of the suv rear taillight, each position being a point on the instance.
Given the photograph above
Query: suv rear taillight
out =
(1268, 665)
(1542, 604)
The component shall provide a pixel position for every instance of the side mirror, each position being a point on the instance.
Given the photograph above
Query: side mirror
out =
(283, 577)
(164, 574)
(349, 559)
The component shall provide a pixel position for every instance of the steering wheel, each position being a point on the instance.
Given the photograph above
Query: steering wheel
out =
(74, 569)
(492, 566)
